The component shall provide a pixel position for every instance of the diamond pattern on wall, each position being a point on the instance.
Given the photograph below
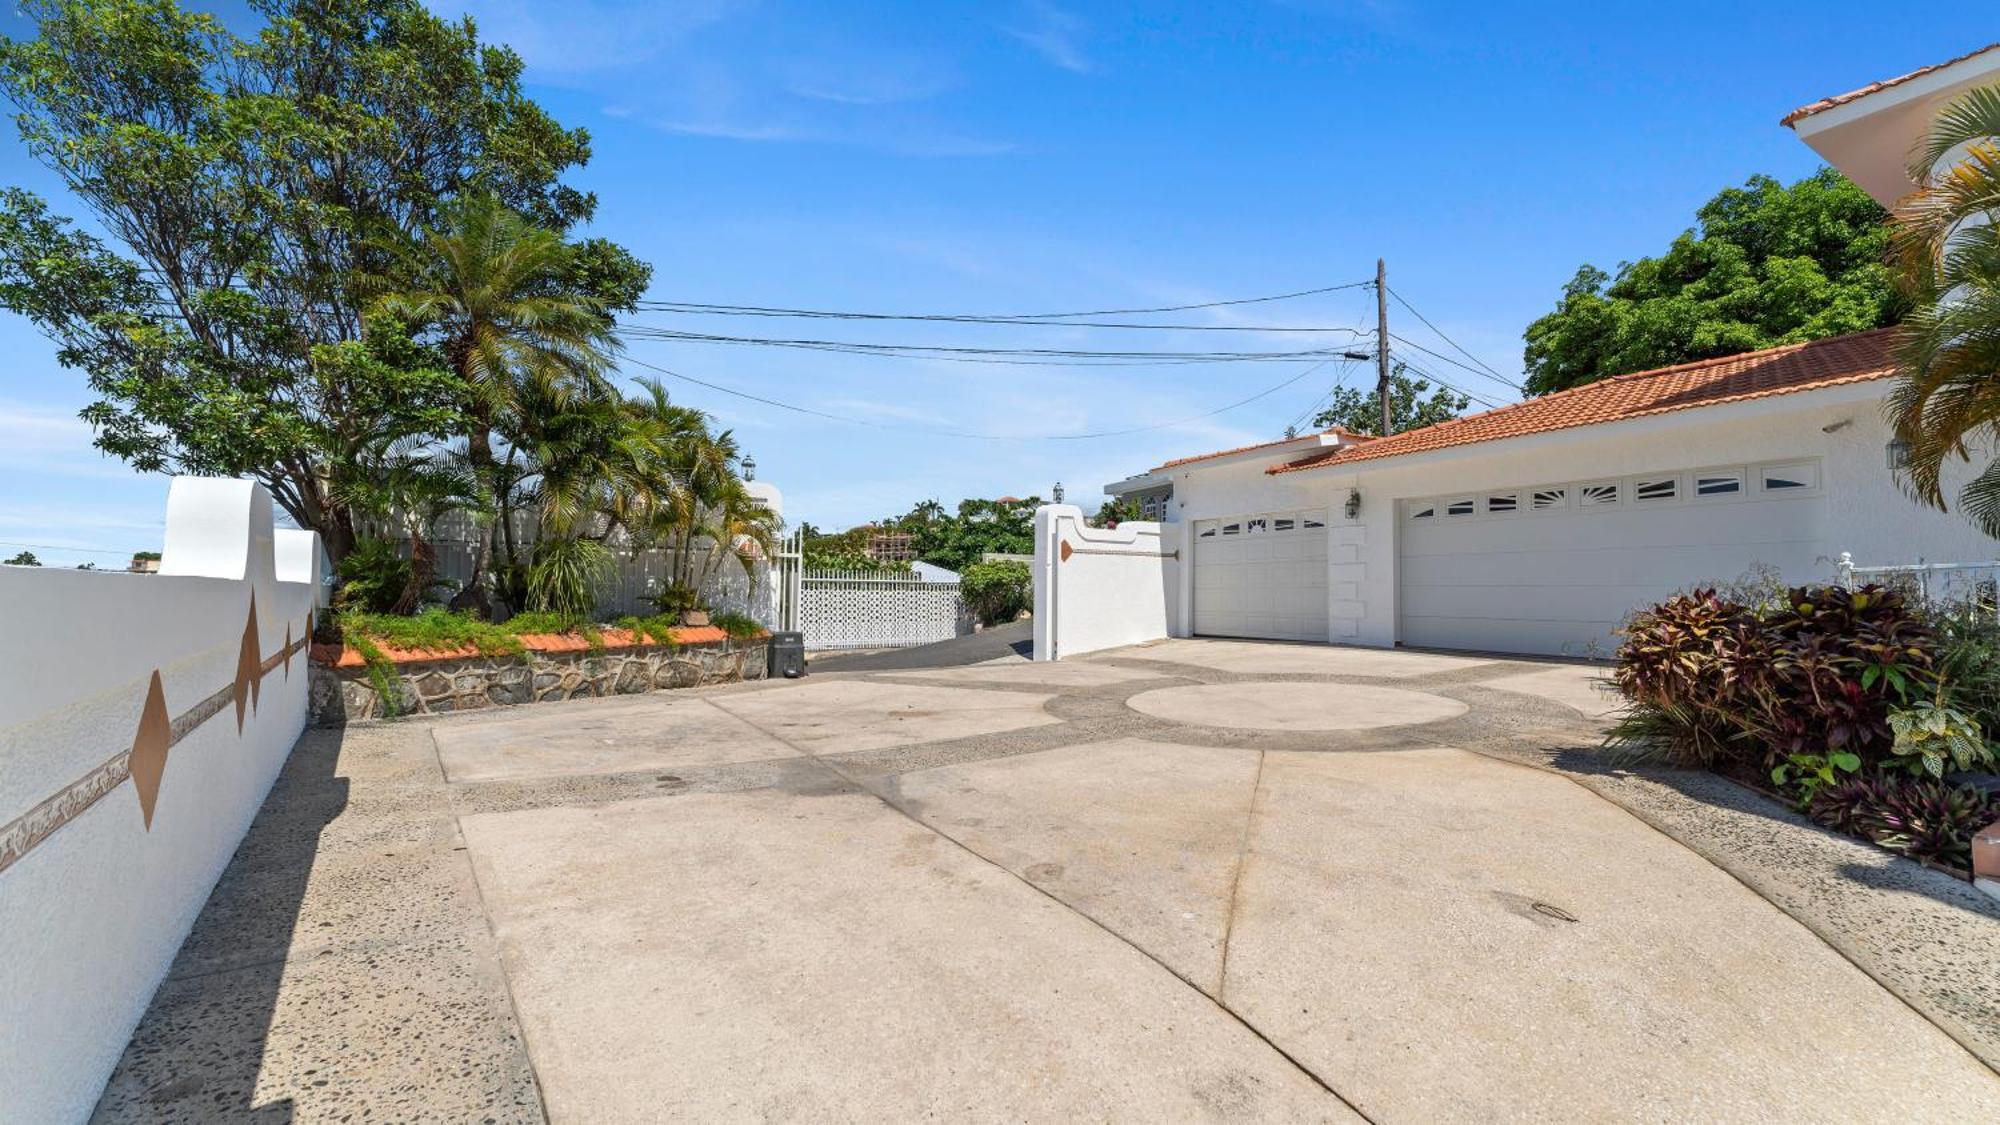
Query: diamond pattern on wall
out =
(149, 749)
(248, 672)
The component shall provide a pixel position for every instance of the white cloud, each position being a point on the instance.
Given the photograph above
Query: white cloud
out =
(1055, 35)
(52, 443)
(584, 36)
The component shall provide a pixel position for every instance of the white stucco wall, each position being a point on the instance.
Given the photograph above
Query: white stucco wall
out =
(1864, 511)
(1117, 586)
(94, 902)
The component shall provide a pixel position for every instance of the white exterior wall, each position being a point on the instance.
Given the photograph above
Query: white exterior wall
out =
(1863, 510)
(1118, 586)
(94, 902)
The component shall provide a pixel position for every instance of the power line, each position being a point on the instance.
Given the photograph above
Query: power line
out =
(53, 547)
(980, 354)
(1487, 368)
(978, 436)
(1462, 367)
(767, 310)
(948, 318)
(1439, 380)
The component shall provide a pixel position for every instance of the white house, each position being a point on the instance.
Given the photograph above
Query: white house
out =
(1539, 526)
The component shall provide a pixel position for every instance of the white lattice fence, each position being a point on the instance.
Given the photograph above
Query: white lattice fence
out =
(840, 610)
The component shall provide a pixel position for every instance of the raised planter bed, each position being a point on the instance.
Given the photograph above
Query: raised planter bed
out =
(428, 682)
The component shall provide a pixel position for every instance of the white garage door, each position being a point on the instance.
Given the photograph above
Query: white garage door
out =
(1261, 575)
(1557, 568)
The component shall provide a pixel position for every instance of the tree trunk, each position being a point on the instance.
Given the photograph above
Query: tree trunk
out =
(423, 569)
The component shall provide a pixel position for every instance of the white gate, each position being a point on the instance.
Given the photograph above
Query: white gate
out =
(850, 609)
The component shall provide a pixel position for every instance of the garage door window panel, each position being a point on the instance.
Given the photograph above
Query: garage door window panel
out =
(1794, 478)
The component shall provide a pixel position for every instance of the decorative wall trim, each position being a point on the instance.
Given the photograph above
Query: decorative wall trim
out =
(145, 763)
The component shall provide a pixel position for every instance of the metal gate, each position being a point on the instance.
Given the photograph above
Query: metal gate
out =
(842, 609)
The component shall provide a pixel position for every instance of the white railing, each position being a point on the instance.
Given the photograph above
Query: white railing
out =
(1972, 586)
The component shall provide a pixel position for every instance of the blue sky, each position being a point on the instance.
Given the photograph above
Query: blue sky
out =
(1030, 157)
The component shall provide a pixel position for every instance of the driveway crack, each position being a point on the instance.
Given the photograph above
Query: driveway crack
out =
(864, 785)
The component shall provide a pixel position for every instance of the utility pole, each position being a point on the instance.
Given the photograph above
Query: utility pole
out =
(1382, 339)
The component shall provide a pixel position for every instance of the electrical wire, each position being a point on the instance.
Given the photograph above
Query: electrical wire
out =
(1447, 359)
(986, 354)
(1486, 368)
(1012, 322)
(978, 436)
(767, 310)
(1440, 381)
(53, 547)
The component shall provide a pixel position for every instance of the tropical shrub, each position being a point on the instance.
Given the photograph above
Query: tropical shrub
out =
(738, 625)
(1682, 665)
(1923, 818)
(1968, 662)
(373, 576)
(566, 574)
(996, 592)
(1802, 688)
(1931, 738)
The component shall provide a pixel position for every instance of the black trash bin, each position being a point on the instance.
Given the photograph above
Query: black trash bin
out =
(788, 655)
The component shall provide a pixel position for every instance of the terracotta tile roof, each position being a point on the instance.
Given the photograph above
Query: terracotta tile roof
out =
(1345, 435)
(1710, 382)
(1825, 104)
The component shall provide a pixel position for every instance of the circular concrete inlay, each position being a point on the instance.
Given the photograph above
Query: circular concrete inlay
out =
(1295, 706)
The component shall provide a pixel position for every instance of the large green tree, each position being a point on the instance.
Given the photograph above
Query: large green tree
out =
(1766, 264)
(241, 187)
(1413, 404)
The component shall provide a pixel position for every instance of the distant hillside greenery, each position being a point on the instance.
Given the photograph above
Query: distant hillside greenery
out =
(1767, 264)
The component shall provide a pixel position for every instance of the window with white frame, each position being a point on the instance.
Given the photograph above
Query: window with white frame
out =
(1718, 482)
(1655, 488)
(1461, 507)
(1283, 523)
(1504, 503)
(1423, 511)
(1783, 478)
(1548, 499)
(1598, 495)
(1310, 522)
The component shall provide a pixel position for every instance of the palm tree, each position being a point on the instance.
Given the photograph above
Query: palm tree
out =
(1947, 244)
(496, 291)
(404, 481)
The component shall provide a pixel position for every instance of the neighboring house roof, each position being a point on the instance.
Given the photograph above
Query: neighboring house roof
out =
(1335, 431)
(1825, 104)
(1710, 382)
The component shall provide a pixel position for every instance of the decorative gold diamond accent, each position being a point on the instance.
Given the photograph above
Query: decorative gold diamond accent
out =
(249, 672)
(149, 749)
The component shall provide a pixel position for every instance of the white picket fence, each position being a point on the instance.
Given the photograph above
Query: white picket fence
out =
(842, 609)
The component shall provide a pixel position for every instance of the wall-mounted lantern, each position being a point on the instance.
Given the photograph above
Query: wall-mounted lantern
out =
(1899, 454)
(749, 467)
(1354, 503)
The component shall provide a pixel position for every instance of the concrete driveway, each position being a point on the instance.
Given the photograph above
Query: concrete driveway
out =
(1191, 880)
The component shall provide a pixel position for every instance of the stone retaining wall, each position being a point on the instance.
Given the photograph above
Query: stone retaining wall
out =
(344, 692)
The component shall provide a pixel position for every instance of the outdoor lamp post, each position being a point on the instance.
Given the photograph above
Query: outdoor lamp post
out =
(749, 467)
(1058, 492)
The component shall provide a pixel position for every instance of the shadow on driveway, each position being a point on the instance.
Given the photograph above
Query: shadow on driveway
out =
(1015, 639)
